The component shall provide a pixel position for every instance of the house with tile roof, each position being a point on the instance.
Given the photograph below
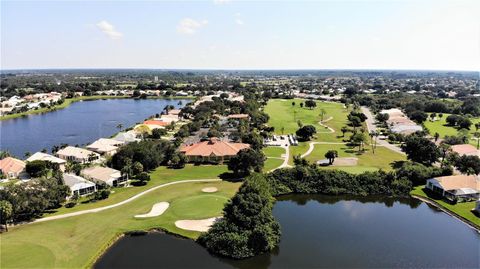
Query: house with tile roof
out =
(78, 185)
(212, 151)
(105, 146)
(110, 176)
(13, 168)
(465, 149)
(40, 156)
(79, 155)
(455, 187)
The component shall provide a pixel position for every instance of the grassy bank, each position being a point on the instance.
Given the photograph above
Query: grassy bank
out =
(464, 210)
(65, 104)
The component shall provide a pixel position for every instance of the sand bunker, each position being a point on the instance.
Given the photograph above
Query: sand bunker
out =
(157, 210)
(210, 189)
(201, 225)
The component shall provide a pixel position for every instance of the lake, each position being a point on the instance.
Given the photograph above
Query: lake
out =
(80, 123)
(325, 231)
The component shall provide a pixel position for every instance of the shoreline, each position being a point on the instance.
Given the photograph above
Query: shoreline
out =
(448, 212)
(70, 101)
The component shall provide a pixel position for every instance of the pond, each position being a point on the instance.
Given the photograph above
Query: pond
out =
(80, 123)
(325, 231)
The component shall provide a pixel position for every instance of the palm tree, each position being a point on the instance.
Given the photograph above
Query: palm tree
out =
(120, 126)
(322, 113)
(373, 142)
(445, 149)
(344, 130)
(477, 136)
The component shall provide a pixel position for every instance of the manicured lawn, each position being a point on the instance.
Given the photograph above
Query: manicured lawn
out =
(65, 104)
(273, 152)
(283, 114)
(440, 126)
(462, 209)
(367, 161)
(297, 150)
(160, 176)
(271, 164)
(76, 241)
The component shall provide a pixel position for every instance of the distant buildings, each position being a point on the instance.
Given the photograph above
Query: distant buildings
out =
(399, 123)
(212, 151)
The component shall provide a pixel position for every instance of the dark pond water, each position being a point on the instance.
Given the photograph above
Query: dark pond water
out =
(80, 123)
(326, 232)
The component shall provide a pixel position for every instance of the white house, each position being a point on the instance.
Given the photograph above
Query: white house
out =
(107, 175)
(127, 137)
(79, 155)
(454, 187)
(105, 146)
(78, 185)
(49, 158)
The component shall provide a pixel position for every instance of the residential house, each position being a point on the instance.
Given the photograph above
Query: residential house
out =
(455, 187)
(465, 149)
(212, 151)
(13, 168)
(155, 124)
(105, 146)
(107, 175)
(49, 158)
(239, 116)
(399, 123)
(78, 185)
(127, 137)
(78, 155)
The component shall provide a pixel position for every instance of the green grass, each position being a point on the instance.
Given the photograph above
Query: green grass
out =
(440, 126)
(273, 152)
(75, 242)
(283, 114)
(367, 161)
(65, 104)
(462, 209)
(271, 164)
(159, 176)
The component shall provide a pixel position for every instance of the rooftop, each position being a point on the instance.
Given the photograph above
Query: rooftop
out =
(213, 147)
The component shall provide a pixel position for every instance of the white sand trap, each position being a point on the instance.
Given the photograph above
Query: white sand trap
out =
(210, 189)
(201, 225)
(157, 210)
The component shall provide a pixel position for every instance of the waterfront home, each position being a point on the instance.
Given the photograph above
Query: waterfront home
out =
(465, 149)
(212, 151)
(455, 187)
(78, 155)
(174, 112)
(107, 175)
(154, 124)
(40, 156)
(78, 185)
(477, 206)
(127, 137)
(13, 168)
(105, 146)
(169, 118)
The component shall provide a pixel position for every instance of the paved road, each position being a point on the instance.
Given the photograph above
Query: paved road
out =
(95, 210)
(371, 127)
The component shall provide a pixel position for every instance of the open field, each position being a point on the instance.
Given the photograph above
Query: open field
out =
(159, 176)
(283, 114)
(65, 104)
(275, 152)
(367, 161)
(271, 164)
(76, 241)
(462, 209)
(440, 126)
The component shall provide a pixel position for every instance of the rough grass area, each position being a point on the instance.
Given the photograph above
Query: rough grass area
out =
(440, 126)
(75, 242)
(159, 176)
(271, 164)
(462, 209)
(283, 114)
(275, 152)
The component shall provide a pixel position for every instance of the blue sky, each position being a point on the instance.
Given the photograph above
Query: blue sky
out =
(241, 34)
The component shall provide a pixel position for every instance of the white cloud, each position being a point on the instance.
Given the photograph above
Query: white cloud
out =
(109, 30)
(239, 21)
(190, 26)
(221, 2)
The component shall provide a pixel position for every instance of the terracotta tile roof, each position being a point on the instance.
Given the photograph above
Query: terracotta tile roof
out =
(213, 147)
(465, 149)
(11, 165)
(458, 182)
(156, 122)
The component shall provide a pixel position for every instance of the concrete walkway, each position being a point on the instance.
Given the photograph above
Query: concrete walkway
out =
(330, 129)
(95, 210)
(311, 146)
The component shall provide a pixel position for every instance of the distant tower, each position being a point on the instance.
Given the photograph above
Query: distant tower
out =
(155, 79)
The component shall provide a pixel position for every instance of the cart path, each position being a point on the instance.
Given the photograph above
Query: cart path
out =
(138, 195)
